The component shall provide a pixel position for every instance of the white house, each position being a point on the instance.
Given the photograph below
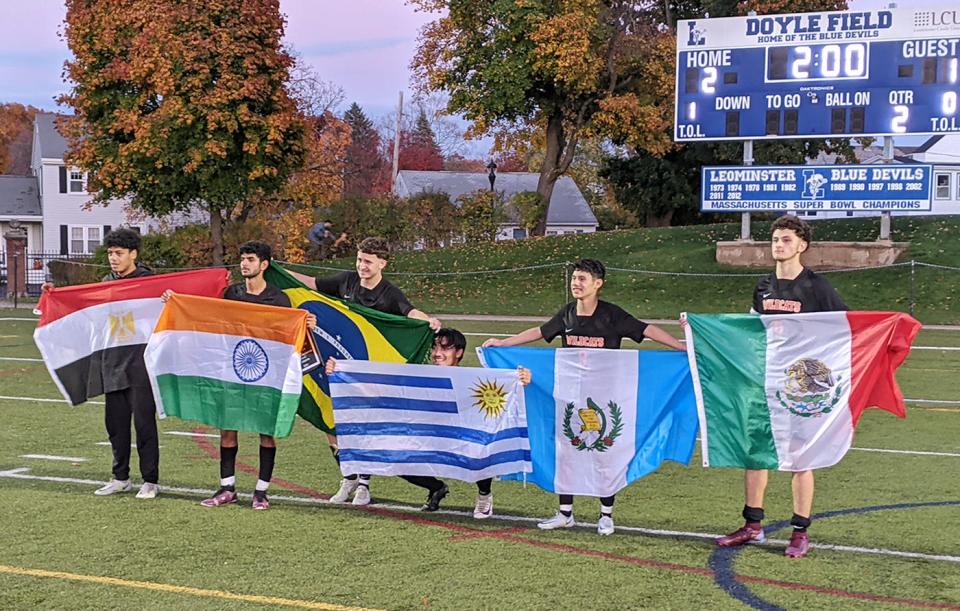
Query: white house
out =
(942, 152)
(569, 211)
(70, 225)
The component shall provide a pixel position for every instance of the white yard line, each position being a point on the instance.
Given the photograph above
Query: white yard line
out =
(23, 473)
(912, 452)
(51, 457)
(189, 434)
(107, 443)
(14, 358)
(45, 400)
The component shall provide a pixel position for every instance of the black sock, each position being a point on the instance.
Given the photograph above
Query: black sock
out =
(267, 458)
(484, 486)
(350, 477)
(753, 515)
(228, 463)
(799, 523)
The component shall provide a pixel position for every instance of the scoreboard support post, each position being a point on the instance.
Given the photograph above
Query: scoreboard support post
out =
(885, 215)
(745, 233)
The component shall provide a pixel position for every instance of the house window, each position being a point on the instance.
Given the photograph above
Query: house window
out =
(77, 182)
(85, 239)
(943, 186)
(519, 233)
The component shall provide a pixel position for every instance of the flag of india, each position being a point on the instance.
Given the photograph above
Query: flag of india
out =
(228, 364)
(786, 391)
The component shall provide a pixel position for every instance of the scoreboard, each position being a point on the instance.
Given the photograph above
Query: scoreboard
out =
(818, 75)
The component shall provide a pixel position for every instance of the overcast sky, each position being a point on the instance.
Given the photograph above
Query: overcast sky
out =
(365, 46)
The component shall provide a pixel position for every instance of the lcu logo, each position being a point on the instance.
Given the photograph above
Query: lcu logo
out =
(696, 37)
(813, 184)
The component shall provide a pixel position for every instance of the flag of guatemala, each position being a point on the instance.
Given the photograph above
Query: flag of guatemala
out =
(601, 419)
(464, 423)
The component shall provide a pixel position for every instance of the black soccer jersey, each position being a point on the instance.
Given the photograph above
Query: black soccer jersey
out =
(270, 295)
(606, 328)
(808, 292)
(384, 297)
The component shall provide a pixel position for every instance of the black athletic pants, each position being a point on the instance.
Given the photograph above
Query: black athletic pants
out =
(138, 402)
(433, 484)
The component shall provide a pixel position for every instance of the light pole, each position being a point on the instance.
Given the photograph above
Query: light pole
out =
(492, 175)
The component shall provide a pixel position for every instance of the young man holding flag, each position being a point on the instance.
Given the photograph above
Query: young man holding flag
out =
(790, 289)
(135, 399)
(369, 288)
(254, 259)
(588, 322)
(448, 348)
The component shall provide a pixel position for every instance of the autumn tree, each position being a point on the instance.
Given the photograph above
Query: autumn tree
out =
(566, 67)
(418, 147)
(16, 138)
(181, 104)
(365, 171)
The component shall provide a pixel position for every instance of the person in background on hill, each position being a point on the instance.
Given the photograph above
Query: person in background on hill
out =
(369, 288)
(790, 289)
(254, 260)
(449, 346)
(136, 398)
(321, 239)
(588, 322)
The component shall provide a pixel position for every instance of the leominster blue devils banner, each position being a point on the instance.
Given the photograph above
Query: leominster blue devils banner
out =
(348, 331)
(464, 423)
(601, 419)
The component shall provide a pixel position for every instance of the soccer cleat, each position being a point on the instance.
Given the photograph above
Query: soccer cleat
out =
(114, 486)
(799, 545)
(484, 507)
(745, 534)
(605, 525)
(260, 501)
(362, 496)
(148, 491)
(222, 497)
(557, 521)
(347, 488)
(434, 498)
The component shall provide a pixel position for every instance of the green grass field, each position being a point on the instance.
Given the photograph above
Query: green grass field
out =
(171, 553)
(936, 292)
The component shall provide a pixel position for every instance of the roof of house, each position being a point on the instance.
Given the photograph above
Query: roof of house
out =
(52, 144)
(923, 148)
(567, 204)
(19, 196)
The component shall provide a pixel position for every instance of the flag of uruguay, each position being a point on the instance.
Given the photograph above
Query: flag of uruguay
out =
(601, 419)
(464, 423)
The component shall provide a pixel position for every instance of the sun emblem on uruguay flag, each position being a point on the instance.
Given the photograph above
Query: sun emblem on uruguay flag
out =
(490, 398)
(250, 361)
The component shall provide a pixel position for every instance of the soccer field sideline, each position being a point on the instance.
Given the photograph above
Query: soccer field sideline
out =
(22, 474)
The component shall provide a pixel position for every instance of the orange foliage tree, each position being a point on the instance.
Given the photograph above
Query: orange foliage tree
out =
(181, 104)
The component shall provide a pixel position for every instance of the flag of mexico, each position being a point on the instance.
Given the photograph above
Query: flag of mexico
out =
(785, 392)
(92, 336)
(229, 364)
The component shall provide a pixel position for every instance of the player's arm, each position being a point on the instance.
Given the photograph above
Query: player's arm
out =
(420, 315)
(524, 337)
(662, 337)
(309, 281)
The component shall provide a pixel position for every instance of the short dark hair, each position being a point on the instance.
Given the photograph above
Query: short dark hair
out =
(261, 249)
(123, 238)
(451, 338)
(375, 246)
(591, 266)
(788, 221)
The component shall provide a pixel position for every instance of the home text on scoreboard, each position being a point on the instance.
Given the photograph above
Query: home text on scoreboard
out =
(818, 75)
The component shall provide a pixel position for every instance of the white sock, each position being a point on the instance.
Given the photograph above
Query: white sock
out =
(262, 485)
(566, 509)
(228, 481)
